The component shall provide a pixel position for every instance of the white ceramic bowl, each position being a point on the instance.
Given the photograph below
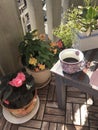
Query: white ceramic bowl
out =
(72, 60)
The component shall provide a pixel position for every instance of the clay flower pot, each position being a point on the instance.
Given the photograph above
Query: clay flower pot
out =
(18, 94)
(42, 78)
(23, 111)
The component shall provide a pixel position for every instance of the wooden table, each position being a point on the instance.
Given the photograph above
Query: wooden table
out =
(86, 80)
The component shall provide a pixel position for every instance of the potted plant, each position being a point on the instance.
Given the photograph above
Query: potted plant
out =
(14, 91)
(66, 33)
(84, 22)
(38, 54)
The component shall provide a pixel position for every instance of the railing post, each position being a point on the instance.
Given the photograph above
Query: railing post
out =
(36, 15)
(65, 5)
(53, 15)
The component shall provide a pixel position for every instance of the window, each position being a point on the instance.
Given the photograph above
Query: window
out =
(28, 28)
(25, 3)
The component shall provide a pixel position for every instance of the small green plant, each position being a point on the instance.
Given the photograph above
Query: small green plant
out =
(78, 19)
(66, 33)
(85, 18)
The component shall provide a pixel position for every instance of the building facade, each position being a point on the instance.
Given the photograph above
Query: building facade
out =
(26, 11)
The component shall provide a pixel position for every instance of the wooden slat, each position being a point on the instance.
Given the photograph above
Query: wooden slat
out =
(69, 116)
(52, 126)
(45, 126)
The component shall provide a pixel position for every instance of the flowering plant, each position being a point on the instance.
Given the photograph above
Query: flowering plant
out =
(18, 80)
(15, 88)
(38, 52)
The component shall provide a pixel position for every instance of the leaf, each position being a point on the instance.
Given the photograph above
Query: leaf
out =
(7, 93)
(91, 13)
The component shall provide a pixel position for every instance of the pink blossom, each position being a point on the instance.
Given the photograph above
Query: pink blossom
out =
(60, 44)
(6, 102)
(18, 81)
(21, 76)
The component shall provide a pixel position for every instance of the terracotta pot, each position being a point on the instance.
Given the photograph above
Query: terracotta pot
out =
(42, 78)
(24, 110)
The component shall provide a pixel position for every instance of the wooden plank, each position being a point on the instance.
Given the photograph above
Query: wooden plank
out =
(2, 122)
(60, 126)
(93, 123)
(93, 108)
(69, 88)
(51, 92)
(76, 114)
(74, 127)
(92, 128)
(54, 111)
(7, 126)
(52, 104)
(93, 116)
(76, 100)
(76, 94)
(52, 118)
(52, 126)
(69, 116)
(24, 128)
(45, 126)
(84, 115)
(14, 127)
(41, 112)
(32, 123)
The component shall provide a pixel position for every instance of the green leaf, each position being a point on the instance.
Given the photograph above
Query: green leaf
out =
(7, 93)
(91, 13)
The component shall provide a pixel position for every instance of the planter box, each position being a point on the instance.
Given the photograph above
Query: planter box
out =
(85, 42)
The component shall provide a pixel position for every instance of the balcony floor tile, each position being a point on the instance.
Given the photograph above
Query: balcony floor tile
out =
(81, 112)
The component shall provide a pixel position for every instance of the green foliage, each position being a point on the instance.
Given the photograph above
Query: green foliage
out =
(79, 18)
(85, 18)
(66, 33)
(37, 51)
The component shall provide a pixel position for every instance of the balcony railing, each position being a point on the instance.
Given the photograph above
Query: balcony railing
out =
(45, 15)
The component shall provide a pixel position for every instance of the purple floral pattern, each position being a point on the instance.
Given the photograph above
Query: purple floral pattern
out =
(72, 68)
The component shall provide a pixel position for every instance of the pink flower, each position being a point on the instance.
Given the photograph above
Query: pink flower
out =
(60, 44)
(6, 102)
(21, 76)
(18, 81)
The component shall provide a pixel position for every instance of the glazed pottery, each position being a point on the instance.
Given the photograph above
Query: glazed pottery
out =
(72, 67)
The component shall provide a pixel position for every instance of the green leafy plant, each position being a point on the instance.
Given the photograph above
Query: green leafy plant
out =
(38, 52)
(66, 33)
(85, 18)
(77, 19)
(15, 88)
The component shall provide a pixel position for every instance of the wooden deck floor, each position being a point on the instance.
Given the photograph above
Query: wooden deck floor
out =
(81, 112)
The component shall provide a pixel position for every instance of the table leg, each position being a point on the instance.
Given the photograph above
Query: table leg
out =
(60, 91)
